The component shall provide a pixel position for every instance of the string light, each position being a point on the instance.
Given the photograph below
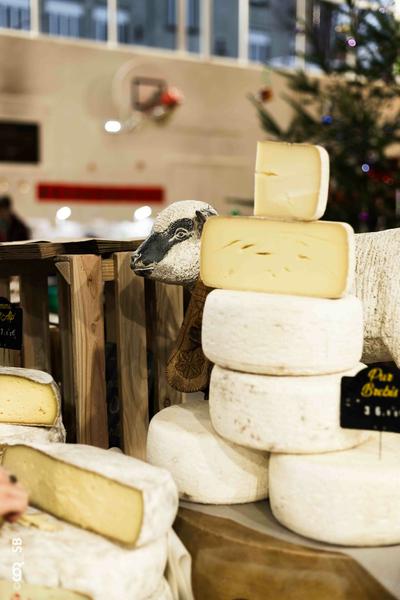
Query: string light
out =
(351, 42)
(365, 168)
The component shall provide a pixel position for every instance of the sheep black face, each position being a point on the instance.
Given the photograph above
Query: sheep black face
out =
(171, 253)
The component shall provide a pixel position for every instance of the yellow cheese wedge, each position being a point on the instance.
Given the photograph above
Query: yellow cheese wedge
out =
(291, 181)
(28, 397)
(101, 491)
(255, 254)
(24, 591)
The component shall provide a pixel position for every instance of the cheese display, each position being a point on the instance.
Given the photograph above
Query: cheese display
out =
(28, 397)
(378, 286)
(119, 497)
(206, 468)
(291, 181)
(281, 414)
(282, 335)
(163, 592)
(80, 561)
(9, 591)
(255, 254)
(350, 498)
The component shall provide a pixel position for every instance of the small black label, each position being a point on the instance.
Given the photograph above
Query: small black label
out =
(10, 325)
(371, 400)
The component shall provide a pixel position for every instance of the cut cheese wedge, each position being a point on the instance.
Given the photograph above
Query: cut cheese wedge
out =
(255, 254)
(28, 397)
(206, 468)
(291, 181)
(350, 498)
(108, 493)
(70, 558)
(281, 414)
(15, 591)
(282, 335)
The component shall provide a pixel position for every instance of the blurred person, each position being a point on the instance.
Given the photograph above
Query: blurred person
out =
(13, 498)
(12, 228)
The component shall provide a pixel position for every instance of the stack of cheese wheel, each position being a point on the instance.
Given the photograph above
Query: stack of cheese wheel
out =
(100, 531)
(30, 407)
(282, 330)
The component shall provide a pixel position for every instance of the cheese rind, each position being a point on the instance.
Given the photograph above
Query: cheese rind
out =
(21, 434)
(82, 561)
(255, 254)
(292, 181)
(28, 397)
(282, 335)
(281, 414)
(108, 493)
(350, 498)
(206, 468)
(163, 592)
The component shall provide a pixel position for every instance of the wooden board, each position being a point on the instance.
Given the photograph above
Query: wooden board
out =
(36, 337)
(233, 562)
(82, 334)
(131, 356)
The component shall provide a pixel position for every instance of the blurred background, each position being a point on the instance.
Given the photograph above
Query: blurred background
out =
(110, 110)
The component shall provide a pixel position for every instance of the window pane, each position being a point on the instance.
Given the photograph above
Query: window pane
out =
(225, 27)
(193, 19)
(76, 18)
(147, 22)
(329, 28)
(272, 30)
(15, 14)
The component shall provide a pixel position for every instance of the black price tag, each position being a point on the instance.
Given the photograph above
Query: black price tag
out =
(371, 400)
(10, 325)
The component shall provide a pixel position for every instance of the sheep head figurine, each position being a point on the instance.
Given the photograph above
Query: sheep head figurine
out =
(171, 253)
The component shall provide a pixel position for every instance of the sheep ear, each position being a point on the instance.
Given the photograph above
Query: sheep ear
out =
(201, 217)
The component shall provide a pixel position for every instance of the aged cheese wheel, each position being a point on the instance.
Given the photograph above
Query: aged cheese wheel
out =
(28, 397)
(282, 335)
(163, 592)
(108, 493)
(23, 434)
(77, 560)
(206, 468)
(281, 414)
(350, 498)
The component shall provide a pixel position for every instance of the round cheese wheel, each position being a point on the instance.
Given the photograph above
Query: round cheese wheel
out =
(163, 592)
(281, 414)
(282, 335)
(23, 434)
(350, 498)
(206, 468)
(69, 557)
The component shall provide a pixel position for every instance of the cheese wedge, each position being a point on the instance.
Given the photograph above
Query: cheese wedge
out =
(111, 494)
(291, 181)
(24, 591)
(22, 434)
(28, 397)
(72, 559)
(255, 254)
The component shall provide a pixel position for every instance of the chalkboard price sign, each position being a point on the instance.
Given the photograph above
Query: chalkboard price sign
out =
(371, 400)
(10, 325)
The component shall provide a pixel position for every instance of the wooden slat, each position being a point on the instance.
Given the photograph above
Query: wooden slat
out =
(8, 268)
(131, 353)
(107, 269)
(169, 317)
(36, 337)
(86, 386)
(5, 288)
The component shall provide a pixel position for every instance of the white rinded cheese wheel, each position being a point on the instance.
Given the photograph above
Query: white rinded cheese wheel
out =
(281, 414)
(350, 498)
(23, 434)
(82, 561)
(206, 468)
(282, 335)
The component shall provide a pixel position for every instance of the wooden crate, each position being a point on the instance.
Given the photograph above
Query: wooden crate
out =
(100, 301)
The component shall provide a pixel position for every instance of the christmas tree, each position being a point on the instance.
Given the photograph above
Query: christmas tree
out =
(351, 107)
